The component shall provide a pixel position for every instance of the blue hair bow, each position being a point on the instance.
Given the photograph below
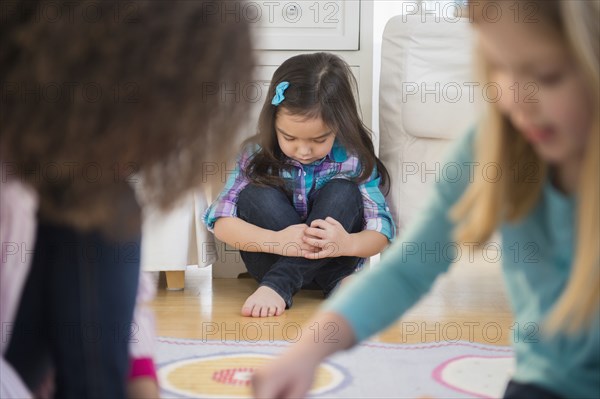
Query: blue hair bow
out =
(279, 90)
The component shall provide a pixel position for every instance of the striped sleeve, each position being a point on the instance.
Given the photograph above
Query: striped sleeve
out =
(226, 203)
(377, 213)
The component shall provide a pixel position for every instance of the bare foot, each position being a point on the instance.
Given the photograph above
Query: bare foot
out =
(264, 302)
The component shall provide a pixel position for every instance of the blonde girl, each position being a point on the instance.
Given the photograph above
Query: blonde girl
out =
(547, 143)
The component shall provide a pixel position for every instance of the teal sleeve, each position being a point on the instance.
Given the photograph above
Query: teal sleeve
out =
(377, 297)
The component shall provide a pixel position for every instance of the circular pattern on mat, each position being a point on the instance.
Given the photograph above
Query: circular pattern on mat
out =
(228, 375)
(478, 376)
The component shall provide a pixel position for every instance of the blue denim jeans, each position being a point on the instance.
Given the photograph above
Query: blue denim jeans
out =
(270, 208)
(75, 313)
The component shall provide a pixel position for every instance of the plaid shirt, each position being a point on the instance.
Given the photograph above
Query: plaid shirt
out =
(305, 179)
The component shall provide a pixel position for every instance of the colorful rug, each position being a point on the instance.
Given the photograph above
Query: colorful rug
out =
(215, 369)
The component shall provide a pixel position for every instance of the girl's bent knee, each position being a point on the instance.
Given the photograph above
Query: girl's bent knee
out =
(343, 189)
(263, 196)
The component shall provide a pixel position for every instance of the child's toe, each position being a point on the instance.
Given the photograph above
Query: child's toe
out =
(247, 310)
(264, 312)
(256, 311)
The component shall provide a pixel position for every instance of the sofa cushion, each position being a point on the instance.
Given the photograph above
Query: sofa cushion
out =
(425, 103)
(427, 87)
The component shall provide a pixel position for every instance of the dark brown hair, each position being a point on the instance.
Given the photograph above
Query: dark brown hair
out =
(321, 86)
(105, 89)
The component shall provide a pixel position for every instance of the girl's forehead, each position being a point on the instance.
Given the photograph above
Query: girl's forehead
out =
(299, 125)
(285, 116)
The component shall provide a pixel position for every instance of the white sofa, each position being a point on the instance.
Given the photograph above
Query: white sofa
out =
(427, 99)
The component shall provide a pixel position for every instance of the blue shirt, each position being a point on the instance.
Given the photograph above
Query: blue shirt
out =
(538, 252)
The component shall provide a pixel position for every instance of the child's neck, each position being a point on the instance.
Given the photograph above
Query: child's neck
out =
(566, 178)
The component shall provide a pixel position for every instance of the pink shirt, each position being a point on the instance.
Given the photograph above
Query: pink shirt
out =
(18, 204)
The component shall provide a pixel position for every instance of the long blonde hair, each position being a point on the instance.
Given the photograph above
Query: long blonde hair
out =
(487, 203)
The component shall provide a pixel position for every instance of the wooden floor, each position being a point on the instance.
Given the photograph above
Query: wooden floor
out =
(468, 303)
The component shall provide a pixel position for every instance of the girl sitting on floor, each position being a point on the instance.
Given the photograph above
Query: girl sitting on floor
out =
(304, 205)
